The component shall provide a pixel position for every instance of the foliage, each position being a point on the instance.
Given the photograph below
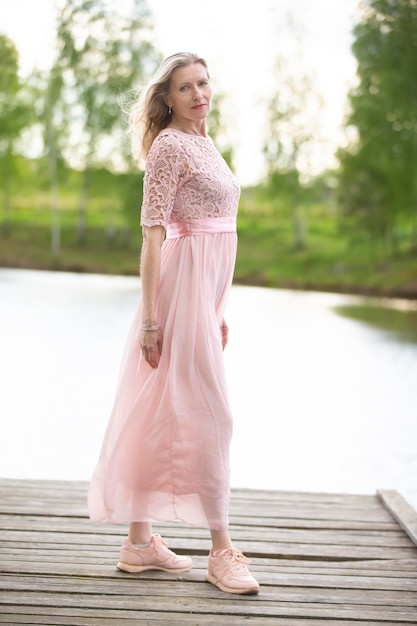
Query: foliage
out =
(216, 129)
(14, 117)
(378, 179)
(104, 50)
(293, 112)
(10, 121)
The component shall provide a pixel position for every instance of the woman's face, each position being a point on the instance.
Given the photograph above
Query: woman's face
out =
(190, 93)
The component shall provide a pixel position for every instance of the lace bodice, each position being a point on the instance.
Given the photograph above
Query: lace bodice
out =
(186, 179)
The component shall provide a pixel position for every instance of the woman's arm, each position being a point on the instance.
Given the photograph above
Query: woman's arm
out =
(150, 267)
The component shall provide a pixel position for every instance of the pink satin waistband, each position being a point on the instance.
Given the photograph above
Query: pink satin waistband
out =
(208, 226)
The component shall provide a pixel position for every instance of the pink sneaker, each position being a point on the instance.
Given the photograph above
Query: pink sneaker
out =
(227, 570)
(154, 556)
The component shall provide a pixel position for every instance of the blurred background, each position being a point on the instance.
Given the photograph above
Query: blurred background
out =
(315, 109)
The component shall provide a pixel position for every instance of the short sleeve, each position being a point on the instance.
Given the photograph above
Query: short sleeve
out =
(162, 175)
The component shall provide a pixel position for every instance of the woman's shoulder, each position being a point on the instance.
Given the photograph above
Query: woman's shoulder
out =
(173, 136)
(166, 142)
(179, 147)
(168, 136)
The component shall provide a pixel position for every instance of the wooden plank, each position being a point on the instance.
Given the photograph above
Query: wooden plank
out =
(42, 490)
(97, 534)
(252, 549)
(73, 488)
(73, 617)
(270, 576)
(38, 504)
(405, 515)
(69, 492)
(93, 533)
(278, 588)
(242, 606)
(235, 520)
(341, 577)
(97, 564)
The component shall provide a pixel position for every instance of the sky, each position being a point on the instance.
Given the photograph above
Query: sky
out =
(240, 41)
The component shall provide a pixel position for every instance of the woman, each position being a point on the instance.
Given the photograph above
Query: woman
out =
(165, 455)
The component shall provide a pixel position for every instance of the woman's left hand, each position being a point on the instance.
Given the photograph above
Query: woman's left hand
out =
(225, 334)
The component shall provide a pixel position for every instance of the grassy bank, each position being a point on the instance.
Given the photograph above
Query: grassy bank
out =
(330, 260)
(266, 257)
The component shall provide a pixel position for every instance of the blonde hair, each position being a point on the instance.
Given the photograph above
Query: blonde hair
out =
(150, 113)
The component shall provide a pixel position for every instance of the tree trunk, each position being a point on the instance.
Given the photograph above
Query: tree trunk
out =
(82, 211)
(299, 229)
(6, 209)
(413, 233)
(7, 193)
(54, 198)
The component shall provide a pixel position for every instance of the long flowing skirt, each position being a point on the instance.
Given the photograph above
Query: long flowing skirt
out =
(165, 454)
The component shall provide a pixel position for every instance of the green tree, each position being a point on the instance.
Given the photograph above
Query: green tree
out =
(217, 130)
(53, 131)
(104, 51)
(292, 136)
(52, 111)
(14, 117)
(378, 178)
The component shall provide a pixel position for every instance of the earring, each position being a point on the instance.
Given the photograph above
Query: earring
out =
(169, 110)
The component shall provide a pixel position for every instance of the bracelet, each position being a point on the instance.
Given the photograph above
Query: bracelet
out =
(150, 327)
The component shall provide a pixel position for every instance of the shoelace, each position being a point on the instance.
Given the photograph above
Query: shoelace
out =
(238, 561)
(159, 541)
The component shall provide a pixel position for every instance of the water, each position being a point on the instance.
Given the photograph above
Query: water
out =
(324, 392)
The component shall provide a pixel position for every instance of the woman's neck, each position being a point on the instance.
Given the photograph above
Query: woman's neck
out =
(197, 129)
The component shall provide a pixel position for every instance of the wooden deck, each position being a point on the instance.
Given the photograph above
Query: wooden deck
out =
(333, 560)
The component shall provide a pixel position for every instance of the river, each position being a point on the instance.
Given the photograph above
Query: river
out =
(323, 386)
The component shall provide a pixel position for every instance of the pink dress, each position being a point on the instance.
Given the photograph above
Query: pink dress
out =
(165, 454)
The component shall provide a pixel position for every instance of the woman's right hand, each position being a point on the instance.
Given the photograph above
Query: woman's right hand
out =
(151, 346)
(151, 334)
